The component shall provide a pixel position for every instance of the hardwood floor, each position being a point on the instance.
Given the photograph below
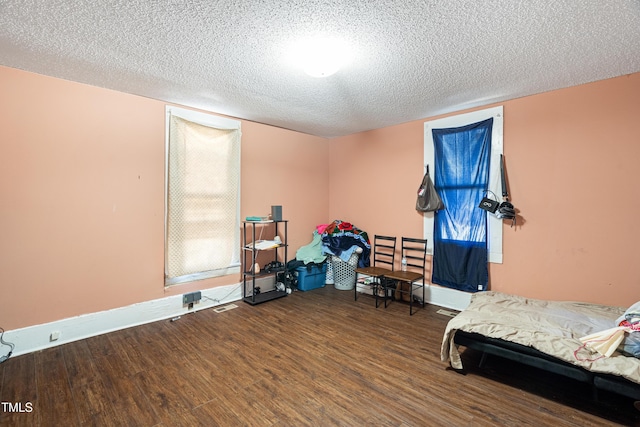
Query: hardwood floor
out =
(314, 358)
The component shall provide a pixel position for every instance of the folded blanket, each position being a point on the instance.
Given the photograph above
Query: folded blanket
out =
(605, 342)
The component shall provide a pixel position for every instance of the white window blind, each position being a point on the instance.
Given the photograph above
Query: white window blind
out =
(202, 237)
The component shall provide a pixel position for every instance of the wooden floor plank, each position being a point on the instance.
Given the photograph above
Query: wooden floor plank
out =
(55, 403)
(313, 358)
(130, 404)
(79, 363)
(19, 387)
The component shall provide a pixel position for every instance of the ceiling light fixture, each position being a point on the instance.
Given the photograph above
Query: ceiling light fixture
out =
(320, 56)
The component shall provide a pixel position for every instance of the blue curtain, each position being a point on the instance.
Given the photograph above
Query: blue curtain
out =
(461, 177)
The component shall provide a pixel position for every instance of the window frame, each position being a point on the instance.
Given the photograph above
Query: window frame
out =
(494, 224)
(210, 121)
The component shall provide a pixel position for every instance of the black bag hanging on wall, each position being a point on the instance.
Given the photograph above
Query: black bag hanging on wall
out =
(428, 199)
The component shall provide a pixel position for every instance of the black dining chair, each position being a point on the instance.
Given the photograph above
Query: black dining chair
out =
(403, 284)
(383, 258)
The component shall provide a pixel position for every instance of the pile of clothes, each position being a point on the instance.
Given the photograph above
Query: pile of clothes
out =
(624, 337)
(342, 239)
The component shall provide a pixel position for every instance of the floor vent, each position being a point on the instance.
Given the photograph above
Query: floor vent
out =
(447, 313)
(225, 308)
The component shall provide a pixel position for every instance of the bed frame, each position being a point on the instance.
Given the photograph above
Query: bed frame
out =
(532, 357)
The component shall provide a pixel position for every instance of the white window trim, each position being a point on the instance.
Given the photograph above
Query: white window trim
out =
(200, 118)
(205, 120)
(494, 225)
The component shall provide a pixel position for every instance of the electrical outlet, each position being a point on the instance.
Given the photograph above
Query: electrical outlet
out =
(191, 298)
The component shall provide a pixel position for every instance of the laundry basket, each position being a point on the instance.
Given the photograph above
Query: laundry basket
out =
(344, 273)
(329, 277)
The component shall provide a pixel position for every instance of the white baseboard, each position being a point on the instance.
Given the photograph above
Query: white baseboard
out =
(448, 298)
(38, 337)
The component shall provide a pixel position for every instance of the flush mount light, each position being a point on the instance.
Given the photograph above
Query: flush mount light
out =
(319, 56)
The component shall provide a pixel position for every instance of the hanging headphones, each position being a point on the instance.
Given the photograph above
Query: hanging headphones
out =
(489, 205)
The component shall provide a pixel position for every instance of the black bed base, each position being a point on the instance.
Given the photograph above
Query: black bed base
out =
(532, 357)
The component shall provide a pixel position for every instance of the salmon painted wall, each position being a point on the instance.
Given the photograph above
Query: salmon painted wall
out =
(82, 185)
(572, 158)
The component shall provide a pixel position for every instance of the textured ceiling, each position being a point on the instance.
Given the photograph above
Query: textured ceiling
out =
(407, 59)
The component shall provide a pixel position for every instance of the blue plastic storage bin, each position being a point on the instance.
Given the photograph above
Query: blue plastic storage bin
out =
(308, 280)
